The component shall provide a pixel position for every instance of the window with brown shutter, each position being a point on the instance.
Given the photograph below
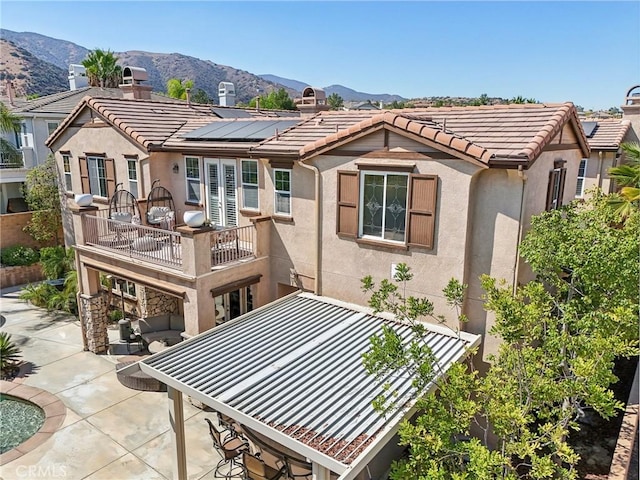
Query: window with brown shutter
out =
(555, 189)
(347, 214)
(391, 207)
(97, 175)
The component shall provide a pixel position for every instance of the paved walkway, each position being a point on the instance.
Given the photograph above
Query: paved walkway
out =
(110, 431)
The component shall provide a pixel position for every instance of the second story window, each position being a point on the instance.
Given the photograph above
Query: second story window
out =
(555, 189)
(66, 167)
(582, 173)
(51, 126)
(132, 169)
(383, 197)
(282, 187)
(250, 184)
(97, 176)
(192, 177)
(394, 208)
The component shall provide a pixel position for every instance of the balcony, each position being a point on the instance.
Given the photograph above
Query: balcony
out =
(191, 251)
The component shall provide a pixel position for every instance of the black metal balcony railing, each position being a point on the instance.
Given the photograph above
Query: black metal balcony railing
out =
(11, 161)
(160, 247)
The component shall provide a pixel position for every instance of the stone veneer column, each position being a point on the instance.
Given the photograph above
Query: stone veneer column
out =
(153, 302)
(93, 314)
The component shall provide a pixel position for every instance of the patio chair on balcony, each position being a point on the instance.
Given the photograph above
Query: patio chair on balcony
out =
(230, 446)
(124, 209)
(160, 207)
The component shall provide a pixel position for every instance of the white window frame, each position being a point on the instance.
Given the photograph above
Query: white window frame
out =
(279, 193)
(134, 185)
(581, 179)
(361, 206)
(129, 289)
(188, 179)
(249, 185)
(66, 168)
(97, 192)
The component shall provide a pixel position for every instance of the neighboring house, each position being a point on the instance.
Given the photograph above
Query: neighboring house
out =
(604, 137)
(313, 203)
(40, 117)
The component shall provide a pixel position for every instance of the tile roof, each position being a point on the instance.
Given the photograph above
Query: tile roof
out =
(64, 102)
(486, 133)
(145, 121)
(608, 134)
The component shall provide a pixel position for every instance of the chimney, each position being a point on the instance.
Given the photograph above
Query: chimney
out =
(77, 77)
(226, 94)
(313, 100)
(131, 86)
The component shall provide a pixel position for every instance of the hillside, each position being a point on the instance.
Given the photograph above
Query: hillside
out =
(52, 50)
(160, 66)
(29, 74)
(347, 94)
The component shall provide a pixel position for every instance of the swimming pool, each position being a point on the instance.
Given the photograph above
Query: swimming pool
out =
(19, 420)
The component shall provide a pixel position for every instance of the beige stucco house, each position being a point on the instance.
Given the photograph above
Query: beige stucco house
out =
(311, 203)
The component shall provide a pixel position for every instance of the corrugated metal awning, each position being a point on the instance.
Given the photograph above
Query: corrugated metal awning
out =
(292, 370)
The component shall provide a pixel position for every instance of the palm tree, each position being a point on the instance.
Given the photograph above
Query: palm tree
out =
(627, 176)
(9, 123)
(102, 68)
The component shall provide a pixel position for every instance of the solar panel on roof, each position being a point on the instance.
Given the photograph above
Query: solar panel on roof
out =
(589, 127)
(231, 113)
(249, 130)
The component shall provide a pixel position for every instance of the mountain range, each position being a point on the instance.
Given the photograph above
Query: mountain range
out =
(38, 64)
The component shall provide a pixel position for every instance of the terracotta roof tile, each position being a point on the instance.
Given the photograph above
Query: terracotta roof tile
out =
(608, 134)
(517, 132)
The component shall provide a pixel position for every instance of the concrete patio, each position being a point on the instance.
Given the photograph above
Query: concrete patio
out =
(110, 431)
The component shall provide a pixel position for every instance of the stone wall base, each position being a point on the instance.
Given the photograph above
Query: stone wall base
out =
(152, 302)
(93, 315)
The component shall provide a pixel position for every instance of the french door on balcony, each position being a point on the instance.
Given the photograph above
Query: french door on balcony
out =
(222, 194)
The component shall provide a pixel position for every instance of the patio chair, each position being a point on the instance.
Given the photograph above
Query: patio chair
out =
(257, 469)
(160, 207)
(230, 446)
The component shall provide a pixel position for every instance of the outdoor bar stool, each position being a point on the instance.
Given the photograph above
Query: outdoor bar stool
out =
(257, 469)
(230, 446)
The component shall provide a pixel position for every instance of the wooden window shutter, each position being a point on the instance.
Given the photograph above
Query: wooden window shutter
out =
(84, 175)
(347, 215)
(423, 194)
(563, 176)
(550, 188)
(110, 170)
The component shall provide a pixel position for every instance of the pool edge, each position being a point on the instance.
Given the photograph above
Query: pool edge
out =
(55, 412)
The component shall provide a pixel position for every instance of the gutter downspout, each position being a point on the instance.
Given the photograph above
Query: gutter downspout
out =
(516, 266)
(600, 157)
(317, 283)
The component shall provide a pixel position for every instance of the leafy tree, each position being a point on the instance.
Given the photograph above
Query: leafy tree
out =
(560, 337)
(615, 111)
(335, 101)
(102, 68)
(274, 100)
(9, 123)
(627, 176)
(521, 99)
(200, 96)
(43, 198)
(177, 88)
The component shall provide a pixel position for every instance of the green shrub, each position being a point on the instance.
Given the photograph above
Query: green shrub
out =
(18, 255)
(9, 353)
(115, 315)
(54, 262)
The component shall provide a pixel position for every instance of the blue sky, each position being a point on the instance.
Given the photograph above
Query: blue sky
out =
(584, 52)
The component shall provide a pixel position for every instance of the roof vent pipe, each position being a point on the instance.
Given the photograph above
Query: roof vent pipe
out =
(277, 134)
(188, 92)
